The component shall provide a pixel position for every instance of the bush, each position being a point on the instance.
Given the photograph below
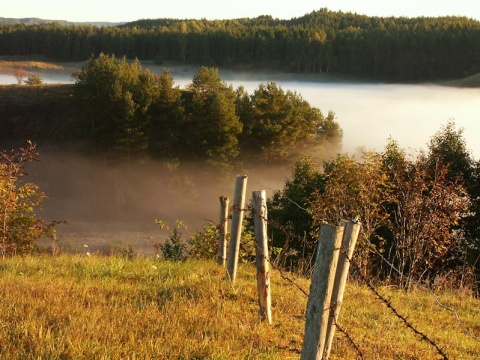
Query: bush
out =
(34, 79)
(20, 227)
(174, 248)
(205, 243)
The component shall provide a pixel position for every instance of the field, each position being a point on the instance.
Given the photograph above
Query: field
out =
(91, 307)
(10, 66)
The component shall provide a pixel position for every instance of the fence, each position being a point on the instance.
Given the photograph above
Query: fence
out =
(334, 257)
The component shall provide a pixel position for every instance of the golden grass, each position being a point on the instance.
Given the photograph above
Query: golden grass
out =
(10, 66)
(79, 307)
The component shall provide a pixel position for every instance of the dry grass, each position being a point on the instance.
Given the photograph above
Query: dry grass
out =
(9, 67)
(79, 307)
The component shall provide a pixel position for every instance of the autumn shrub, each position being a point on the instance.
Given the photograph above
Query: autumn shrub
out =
(20, 227)
(34, 79)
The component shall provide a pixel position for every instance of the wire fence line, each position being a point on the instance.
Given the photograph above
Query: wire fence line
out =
(388, 304)
(377, 294)
(457, 317)
(304, 292)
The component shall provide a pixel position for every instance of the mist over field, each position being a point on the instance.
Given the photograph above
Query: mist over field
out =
(118, 204)
(110, 206)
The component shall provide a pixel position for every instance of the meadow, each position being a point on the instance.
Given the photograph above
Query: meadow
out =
(94, 307)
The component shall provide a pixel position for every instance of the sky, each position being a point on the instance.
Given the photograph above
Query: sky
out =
(128, 10)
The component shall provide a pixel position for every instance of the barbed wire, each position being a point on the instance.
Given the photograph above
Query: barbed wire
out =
(331, 308)
(345, 333)
(389, 305)
(387, 302)
(286, 197)
(456, 315)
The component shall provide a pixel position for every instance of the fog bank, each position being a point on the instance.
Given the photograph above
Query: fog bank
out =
(110, 206)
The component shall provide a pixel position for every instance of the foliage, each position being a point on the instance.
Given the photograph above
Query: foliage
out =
(204, 243)
(19, 201)
(20, 74)
(293, 230)
(34, 79)
(213, 127)
(384, 48)
(279, 124)
(355, 189)
(128, 253)
(414, 212)
(447, 148)
(426, 208)
(174, 248)
(168, 119)
(128, 112)
(114, 97)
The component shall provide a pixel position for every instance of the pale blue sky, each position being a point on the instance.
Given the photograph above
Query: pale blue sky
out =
(129, 10)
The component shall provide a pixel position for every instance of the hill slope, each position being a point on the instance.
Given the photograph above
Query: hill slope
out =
(111, 307)
(36, 21)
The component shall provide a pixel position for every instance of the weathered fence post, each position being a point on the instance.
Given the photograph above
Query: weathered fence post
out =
(237, 219)
(222, 231)
(261, 246)
(318, 307)
(350, 236)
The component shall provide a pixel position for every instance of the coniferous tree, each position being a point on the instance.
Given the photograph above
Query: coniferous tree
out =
(212, 126)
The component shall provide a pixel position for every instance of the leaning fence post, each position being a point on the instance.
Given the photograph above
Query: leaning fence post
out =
(222, 231)
(350, 236)
(237, 219)
(261, 246)
(318, 307)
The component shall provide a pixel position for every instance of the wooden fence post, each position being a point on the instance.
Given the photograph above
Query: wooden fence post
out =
(222, 231)
(261, 247)
(350, 236)
(318, 307)
(237, 219)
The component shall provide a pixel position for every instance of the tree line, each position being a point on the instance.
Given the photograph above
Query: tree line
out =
(384, 48)
(118, 110)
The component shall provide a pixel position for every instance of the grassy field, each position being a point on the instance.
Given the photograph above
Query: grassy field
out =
(81, 307)
(10, 66)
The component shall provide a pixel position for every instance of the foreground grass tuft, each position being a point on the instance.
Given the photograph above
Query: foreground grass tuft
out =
(78, 307)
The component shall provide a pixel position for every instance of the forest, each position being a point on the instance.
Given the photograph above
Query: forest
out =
(389, 49)
(116, 110)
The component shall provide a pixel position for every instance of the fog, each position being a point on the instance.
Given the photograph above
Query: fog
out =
(109, 207)
(370, 113)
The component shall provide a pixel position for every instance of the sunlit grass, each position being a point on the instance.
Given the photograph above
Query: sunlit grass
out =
(80, 307)
(11, 66)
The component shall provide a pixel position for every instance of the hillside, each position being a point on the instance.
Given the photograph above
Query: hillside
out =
(81, 307)
(380, 48)
(37, 21)
(40, 112)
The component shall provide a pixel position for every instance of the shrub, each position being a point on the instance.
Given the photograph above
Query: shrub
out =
(34, 79)
(205, 243)
(174, 248)
(19, 225)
